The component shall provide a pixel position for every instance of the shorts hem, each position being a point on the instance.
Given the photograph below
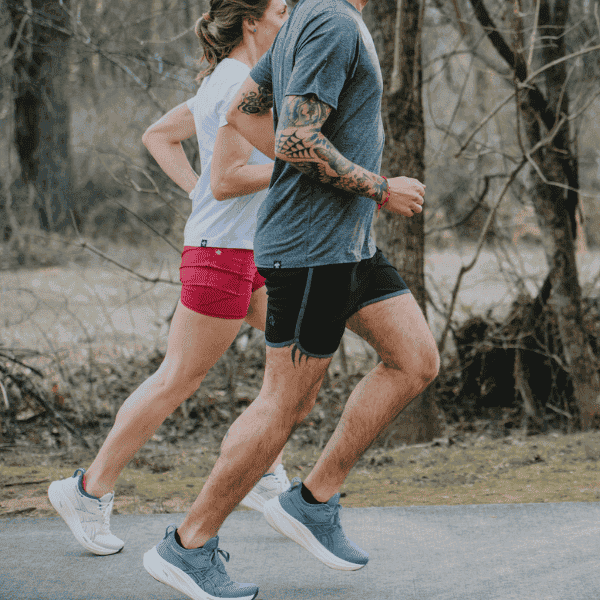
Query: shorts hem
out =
(302, 350)
(206, 314)
(382, 298)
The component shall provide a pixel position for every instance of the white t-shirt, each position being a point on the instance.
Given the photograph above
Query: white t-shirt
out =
(226, 223)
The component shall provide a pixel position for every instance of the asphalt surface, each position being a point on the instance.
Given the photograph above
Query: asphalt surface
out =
(479, 552)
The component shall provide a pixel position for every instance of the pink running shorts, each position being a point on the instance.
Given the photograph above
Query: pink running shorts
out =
(218, 282)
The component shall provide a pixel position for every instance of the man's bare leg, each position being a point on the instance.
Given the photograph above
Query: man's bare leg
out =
(397, 330)
(254, 440)
(256, 317)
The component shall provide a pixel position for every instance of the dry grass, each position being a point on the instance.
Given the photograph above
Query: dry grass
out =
(550, 468)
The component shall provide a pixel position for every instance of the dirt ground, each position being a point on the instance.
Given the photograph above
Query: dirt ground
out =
(448, 471)
(98, 312)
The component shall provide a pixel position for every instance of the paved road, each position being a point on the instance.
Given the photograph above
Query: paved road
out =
(488, 552)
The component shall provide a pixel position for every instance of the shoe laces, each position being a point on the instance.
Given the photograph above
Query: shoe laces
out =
(215, 560)
(334, 517)
(280, 476)
(106, 508)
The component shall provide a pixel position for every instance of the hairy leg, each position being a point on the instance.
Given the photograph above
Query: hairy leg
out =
(254, 440)
(397, 329)
(195, 343)
(257, 317)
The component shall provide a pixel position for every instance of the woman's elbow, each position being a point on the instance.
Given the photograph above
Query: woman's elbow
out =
(147, 137)
(218, 191)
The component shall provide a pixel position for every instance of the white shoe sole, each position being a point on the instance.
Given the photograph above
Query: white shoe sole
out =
(174, 577)
(254, 501)
(67, 511)
(283, 522)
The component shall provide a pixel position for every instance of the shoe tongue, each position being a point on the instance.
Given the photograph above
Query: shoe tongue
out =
(107, 497)
(334, 500)
(211, 544)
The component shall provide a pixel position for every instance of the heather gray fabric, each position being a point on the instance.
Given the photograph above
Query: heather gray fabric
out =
(325, 49)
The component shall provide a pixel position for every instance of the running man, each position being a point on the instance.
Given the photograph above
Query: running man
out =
(323, 273)
(221, 286)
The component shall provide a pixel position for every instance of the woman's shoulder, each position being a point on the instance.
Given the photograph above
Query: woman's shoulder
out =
(229, 72)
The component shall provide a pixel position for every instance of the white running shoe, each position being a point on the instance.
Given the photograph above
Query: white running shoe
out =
(87, 517)
(269, 486)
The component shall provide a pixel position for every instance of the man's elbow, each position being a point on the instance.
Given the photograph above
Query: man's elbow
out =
(279, 147)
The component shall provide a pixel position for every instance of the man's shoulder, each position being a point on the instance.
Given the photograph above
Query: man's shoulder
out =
(317, 12)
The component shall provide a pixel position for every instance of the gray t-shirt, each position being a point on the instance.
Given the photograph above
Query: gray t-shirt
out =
(325, 49)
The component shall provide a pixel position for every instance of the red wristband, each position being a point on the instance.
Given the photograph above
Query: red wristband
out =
(388, 193)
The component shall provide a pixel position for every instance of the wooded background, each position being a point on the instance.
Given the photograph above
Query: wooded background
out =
(492, 103)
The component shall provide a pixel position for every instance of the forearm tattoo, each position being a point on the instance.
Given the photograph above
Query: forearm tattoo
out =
(254, 103)
(299, 141)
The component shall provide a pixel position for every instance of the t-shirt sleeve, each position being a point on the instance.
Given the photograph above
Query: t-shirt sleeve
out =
(326, 57)
(192, 102)
(261, 73)
(225, 102)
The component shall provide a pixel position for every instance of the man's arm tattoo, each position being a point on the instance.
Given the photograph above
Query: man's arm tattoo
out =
(254, 103)
(300, 142)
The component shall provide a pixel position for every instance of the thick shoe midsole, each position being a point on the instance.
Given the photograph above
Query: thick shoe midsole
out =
(68, 512)
(283, 522)
(174, 577)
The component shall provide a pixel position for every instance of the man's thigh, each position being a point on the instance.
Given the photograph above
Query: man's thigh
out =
(396, 328)
(289, 378)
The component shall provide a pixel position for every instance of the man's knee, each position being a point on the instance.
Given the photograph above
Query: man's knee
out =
(430, 365)
(422, 365)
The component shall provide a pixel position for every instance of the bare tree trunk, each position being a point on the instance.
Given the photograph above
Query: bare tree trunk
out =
(10, 35)
(555, 173)
(42, 110)
(403, 240)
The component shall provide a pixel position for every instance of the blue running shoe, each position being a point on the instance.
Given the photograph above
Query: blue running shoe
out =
(316, 527)
(199, 574)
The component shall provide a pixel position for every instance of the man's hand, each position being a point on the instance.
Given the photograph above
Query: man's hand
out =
(406, 196)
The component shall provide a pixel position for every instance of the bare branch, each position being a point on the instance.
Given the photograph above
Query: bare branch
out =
(132, 184)
(491, 114)
(478, 204)
(533, 33)
(19, 34)
(522, 85)
(5, 396)
(497, 40)
(83, 244)
(466, 268)
(154, 230)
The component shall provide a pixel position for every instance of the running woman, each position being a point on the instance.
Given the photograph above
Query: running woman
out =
(220, 284)
(323, 273)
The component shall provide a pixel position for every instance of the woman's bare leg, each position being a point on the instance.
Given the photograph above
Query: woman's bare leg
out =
(195, 344)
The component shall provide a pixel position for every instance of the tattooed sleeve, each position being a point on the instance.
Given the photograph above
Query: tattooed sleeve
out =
(260, 102)
(299, 141)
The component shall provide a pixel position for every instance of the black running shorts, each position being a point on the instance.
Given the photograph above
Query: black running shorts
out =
(308, 307)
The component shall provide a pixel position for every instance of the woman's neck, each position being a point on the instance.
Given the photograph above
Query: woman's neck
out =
(246, 52)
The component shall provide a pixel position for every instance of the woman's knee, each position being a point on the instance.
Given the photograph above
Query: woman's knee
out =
(176, 378)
